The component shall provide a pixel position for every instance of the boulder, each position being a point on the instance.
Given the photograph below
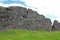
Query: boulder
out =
(56, 25)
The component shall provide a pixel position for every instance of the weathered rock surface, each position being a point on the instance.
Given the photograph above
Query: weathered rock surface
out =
(19, 17)
(56, 25)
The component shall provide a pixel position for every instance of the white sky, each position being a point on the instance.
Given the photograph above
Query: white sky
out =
(49, 8)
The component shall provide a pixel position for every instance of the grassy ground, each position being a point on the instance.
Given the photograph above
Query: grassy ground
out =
(29, 35)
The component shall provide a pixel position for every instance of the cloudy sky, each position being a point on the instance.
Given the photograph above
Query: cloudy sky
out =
(49, 8)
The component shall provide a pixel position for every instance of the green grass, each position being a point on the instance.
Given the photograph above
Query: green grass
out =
(29, 35)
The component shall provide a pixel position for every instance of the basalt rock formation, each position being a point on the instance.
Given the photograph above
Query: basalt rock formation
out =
(22, 18)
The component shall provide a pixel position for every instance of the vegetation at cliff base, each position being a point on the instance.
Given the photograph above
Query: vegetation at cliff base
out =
(29, 35)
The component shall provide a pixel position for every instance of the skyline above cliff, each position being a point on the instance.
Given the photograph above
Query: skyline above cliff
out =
(49, 8)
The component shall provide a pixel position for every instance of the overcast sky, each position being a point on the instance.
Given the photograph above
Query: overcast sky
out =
(49, 8)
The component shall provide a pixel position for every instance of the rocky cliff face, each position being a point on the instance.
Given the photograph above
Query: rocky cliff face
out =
(56, 25)
(22, 18)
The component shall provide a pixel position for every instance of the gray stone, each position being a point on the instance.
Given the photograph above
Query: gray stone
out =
(19, 17)
(56, 25)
